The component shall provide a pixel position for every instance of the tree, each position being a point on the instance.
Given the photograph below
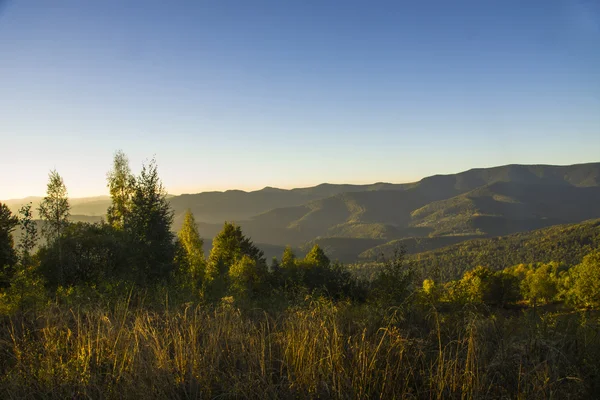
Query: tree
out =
(192, 254)
(91, 254)
(275, 273)
(275, 265)
(484, 285)
(393, 282)
(538, 282)
(28, 238)
(314, 269)
(586, 281)
(55, 211)
(246, 277)
(8, 256)
(316, 257)
(121, 184)
(290, 272)
(229, 246)
(431, 292)
(288, 260)
(316, 273)
(148, 225)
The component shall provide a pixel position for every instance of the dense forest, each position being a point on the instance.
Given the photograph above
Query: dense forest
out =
(134, 306)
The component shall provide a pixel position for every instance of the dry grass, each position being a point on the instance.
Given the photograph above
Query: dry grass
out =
(318, 351)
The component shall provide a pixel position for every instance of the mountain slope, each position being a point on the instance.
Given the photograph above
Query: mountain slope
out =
(562, 243)
(505, 207)
(235, 205)
(539, 196)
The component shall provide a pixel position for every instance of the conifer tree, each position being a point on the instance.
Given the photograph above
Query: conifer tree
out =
(229, 246)
(316, 257)
(288, 260)
(148, 225)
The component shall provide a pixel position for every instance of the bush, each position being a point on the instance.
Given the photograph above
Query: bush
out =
(585, 278)
(91, 254)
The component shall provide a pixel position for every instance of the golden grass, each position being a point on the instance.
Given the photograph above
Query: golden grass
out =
(318, 351)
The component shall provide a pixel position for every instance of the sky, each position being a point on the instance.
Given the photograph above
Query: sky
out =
(246, 94)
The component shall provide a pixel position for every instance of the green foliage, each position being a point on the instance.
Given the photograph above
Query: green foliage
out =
(247, 278)
(26, 292)
(229, 247)
(431, 293)
(288, 259)
(148, 227)
(564, 244)
(8, 256)
(24, 289)
(292, 275)
(121, 184)
(29, 235)
(316, 273)
(485, 286)
(585, 278)
(190, 254)
(54, 209)
(317, 258)
(541, 284)
(91, 254)
(393, 282)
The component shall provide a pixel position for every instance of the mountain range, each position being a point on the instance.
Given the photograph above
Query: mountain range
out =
(355, 221)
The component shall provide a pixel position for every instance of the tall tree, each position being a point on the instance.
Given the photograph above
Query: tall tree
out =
(288, 260)
(121, 184)
(55, 211)
(148, 224)
(28, 238)
(190, 243)
(316, 257)
(8, 256)
(229, 247)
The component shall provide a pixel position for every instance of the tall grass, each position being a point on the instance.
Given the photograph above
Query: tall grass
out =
(321, 350)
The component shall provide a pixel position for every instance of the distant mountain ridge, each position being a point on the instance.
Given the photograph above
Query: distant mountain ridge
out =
(353, 219)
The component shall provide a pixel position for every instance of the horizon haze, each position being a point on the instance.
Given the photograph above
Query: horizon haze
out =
(106, 196)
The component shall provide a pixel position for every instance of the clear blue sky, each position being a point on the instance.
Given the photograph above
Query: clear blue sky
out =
(244, 94)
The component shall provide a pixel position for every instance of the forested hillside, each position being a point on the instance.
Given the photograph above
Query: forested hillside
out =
(564, 244)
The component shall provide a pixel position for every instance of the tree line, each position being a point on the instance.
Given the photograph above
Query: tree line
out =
(135, 246)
